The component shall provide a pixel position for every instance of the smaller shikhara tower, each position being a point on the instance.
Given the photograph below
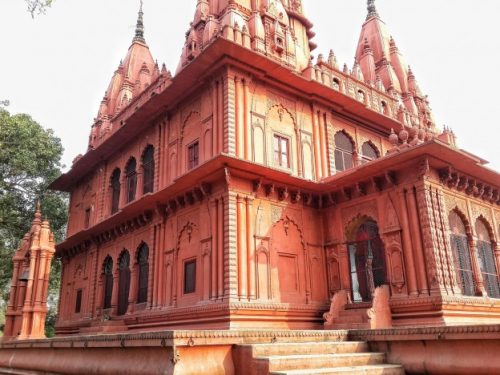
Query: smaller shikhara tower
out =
(257, 183)
(27, 307)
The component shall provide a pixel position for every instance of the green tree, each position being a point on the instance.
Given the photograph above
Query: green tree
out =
(38, 6)
(30, 159)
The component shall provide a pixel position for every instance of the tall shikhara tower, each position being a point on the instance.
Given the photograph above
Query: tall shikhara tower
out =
(257, 182)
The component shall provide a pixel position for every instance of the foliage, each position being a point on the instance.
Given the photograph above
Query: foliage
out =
(36, 7)
(30, 159)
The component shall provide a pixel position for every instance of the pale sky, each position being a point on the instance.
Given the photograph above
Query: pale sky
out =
(57, 66)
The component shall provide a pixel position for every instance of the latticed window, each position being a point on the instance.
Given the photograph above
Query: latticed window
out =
(108, 282)
(344, 150)
(486, 260)
(281, 151)
(190, 277)
(124, 282)
(148, 166)
(143, 264)
(193, 155)
(461, 253)
(131, 175)
(115, 191)
(369, 152)
(78, 304)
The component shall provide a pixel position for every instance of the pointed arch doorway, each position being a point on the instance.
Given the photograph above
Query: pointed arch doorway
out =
(366, 261)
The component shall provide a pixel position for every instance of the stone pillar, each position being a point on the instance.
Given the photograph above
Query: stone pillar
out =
(241, 246)
(214, 253)
(123, 191)
(220, 116)
(139, 192)
(132, 296)
(215, 118)
(407, 247)
(420, 265)
(239, 117)
(251, 250)
(220, 248)
(316, 143)
(114, 295)
(322, 137)
(247, 125)
(478, 275)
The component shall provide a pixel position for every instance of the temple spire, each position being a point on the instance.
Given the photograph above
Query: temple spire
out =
(372, 10)
(139, 29)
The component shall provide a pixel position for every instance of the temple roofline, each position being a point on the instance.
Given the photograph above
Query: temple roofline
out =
(213, 170)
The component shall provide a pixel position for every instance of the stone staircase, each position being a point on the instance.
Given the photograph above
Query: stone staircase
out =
(354, 318)
(311, 358)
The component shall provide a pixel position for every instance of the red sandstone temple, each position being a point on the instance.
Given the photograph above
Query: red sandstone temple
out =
(259, 188)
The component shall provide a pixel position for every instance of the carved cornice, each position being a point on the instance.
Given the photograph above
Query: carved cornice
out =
(469, 185)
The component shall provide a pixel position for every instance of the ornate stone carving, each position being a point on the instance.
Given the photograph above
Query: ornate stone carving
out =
(452, 202)
(478, 211)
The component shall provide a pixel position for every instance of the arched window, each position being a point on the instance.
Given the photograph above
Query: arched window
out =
(385, 108)
(124, 282)
(108, 282)
(148, 167)
(115, 191)
(344, 150)
(367, 261)
(486, 258)
(143, 264)
(461, 253)
(131, 175)
(369, 152)
(336, 83)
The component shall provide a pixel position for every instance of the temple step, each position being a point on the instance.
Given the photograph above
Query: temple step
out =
(357, 370)
(267, 350)
(319, 361)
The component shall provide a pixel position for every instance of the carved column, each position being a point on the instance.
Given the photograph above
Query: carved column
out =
(322, 137)
(241, 247)
(316, 143)
(416, 237)
(247, 125)
(114, 294)
(497, 256)
(251, 250)
(206, 269)
(132, 296)
(239, 117)
(407, 247)
(213, 257)
(215, 118)
(478, 275)
(221, 118)
(123, 191)
(140, 183)
(220, 248)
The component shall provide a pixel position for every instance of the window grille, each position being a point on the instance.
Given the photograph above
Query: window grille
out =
(108, 282)
(115, 191)
(131, 175)
(193, 155)
(369, 152)
(461, 253)
(281, 151)
(488, 269)
(344, 150)
(148, 166)
(143, 263)
(78, 304)
(190, 277)
(124, 283)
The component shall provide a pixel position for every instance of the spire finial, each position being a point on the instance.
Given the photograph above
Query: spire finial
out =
(139, 29)
(372, 10)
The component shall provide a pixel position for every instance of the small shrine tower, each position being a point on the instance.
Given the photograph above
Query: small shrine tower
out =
(27, 309)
